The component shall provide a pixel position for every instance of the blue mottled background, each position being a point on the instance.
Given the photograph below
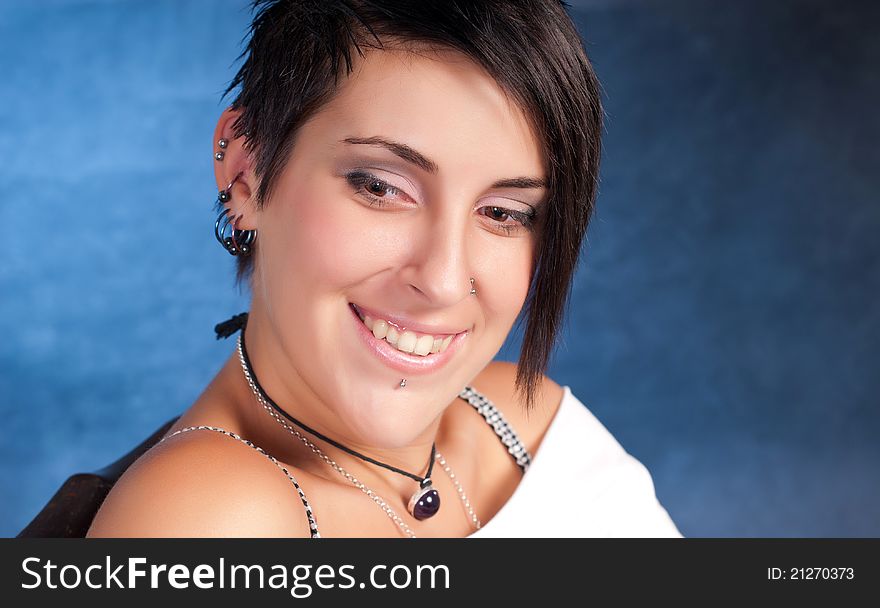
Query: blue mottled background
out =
(724, 323)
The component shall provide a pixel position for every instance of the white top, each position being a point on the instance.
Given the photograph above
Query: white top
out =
(581, 483)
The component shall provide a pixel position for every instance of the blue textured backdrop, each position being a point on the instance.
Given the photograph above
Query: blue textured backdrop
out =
(724, 322)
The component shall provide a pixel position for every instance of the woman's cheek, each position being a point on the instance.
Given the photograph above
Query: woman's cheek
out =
(504, 291)
(337, 243)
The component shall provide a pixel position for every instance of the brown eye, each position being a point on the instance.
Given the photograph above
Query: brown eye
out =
(498, 213)
(372, 188)
(500, 216)
(378, 187)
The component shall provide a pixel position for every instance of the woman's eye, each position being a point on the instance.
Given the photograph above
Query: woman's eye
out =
(372, 188)
(502, 218)
(379, 192)
(378, 188)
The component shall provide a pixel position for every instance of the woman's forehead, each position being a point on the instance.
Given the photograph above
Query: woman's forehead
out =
(441, 103)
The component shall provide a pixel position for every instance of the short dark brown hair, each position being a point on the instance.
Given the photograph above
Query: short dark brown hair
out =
(293, 60)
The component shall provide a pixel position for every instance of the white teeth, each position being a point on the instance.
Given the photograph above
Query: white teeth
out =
(424, 345)
(445, 344)
(380, 328)
(408, 341)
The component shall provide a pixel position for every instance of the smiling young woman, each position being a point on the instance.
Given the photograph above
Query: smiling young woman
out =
(395, 210)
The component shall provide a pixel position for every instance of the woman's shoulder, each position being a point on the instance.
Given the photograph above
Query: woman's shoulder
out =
(202, 483)
(615, 491)
(497, 383)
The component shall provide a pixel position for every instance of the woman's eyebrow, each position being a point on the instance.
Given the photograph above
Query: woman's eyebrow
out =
(421, 161)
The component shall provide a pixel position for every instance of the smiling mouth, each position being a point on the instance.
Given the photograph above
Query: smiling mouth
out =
(406, 341)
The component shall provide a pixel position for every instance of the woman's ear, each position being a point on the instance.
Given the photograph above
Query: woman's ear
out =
(231, 159)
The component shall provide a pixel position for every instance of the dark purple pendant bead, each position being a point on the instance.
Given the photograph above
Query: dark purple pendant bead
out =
(425, 503)
(428, 505)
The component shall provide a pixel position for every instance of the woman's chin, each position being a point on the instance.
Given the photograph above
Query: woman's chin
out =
(381, 425)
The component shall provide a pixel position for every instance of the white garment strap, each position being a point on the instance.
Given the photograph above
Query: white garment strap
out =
(313, 525)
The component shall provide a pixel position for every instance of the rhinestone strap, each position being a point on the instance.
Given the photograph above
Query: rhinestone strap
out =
(313, 525)
(497, 421)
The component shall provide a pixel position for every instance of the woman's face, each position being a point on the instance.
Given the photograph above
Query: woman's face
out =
(351, 222)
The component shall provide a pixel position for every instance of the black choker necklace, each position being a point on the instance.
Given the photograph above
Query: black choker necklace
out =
(424, 503)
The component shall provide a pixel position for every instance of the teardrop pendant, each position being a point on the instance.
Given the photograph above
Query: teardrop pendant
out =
(425, 502)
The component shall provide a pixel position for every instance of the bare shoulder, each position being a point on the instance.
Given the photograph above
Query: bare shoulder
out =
(202, 484)
(497, 382)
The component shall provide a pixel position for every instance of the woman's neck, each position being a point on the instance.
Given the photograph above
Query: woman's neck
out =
(294, 398)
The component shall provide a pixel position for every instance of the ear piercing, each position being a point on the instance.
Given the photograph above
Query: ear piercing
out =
(224, 195)
(237, 242)
(220, 153)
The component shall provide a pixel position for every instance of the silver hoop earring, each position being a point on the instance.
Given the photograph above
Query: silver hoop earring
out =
(242, 239)
(226, 194)
(237, 242)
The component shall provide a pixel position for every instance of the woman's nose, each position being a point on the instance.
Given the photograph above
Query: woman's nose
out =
(439, 267)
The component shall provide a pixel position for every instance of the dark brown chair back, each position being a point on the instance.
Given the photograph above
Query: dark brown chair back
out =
(70, 512)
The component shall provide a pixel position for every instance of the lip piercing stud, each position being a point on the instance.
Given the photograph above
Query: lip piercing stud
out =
(403, 382)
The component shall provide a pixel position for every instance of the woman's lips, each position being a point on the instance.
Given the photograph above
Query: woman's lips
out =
(401, 361)
(402, 324)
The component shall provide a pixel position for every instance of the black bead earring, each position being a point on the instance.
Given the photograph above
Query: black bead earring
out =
(237, 242)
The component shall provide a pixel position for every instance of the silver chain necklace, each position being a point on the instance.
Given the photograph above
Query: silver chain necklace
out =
(375, 497)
